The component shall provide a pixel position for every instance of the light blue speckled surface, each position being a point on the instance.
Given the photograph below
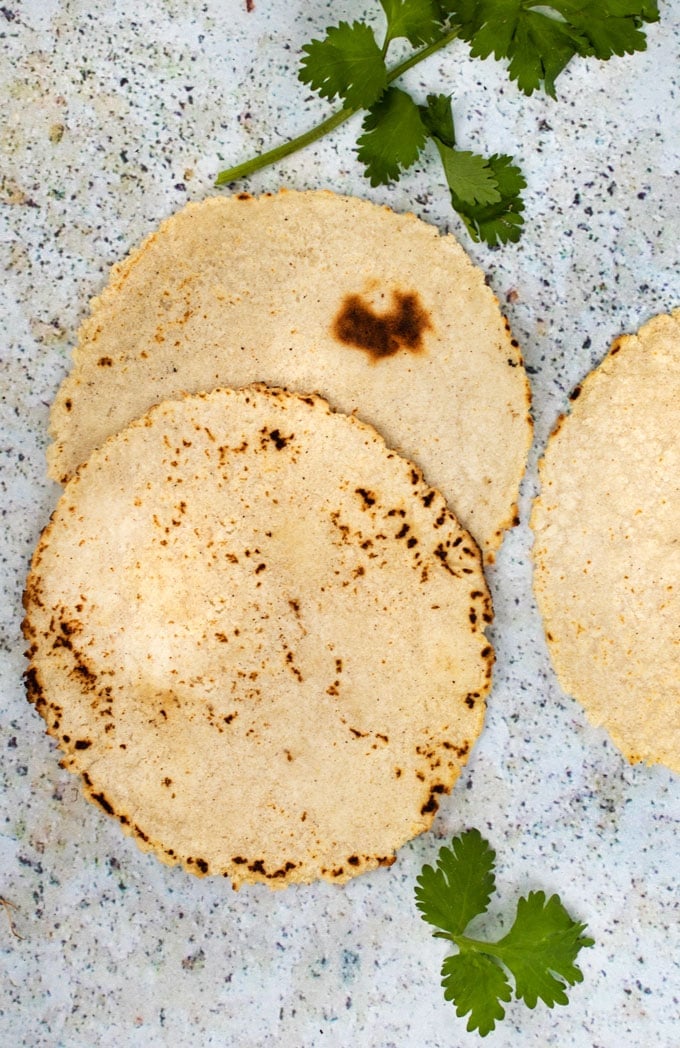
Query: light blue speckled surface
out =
(113, 115)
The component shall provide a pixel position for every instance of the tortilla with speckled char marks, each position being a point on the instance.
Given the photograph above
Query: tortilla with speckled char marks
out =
(607, 549)
(258, 635)
(319, 293)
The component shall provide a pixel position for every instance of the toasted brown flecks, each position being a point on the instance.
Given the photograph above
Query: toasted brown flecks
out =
(103, 802)
(383, 334)
(34, 692)
(83, 744)
(105, 362)
(290, 662)
(87, 676)
(282, 871)
(386, 860)
(575, 393)
(368, 497)
(431, 805)
(441, 554)
(277, 438)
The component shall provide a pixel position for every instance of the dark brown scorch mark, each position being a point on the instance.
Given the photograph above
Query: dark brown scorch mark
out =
(383, 334)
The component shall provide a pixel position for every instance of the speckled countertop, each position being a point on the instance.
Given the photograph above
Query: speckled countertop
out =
(113, 116)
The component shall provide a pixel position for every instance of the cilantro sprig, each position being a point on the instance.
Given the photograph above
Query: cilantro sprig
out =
(538, 952)
(536, 40)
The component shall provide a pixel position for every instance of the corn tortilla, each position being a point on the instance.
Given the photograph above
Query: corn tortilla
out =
(322, 293)
(258, 636)
(607, 544)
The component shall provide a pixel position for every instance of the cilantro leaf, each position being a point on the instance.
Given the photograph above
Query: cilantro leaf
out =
(486, 192)
(476, 985)
(540, 949)
(500, 222)
(460, 886)
(540, 39)
(347, 63)
(611, 27)
(470, 176)
(393, 137)
(419, 21)
(438, 119)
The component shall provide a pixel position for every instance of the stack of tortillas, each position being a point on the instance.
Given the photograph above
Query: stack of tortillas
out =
(607, 550)
(256, 627)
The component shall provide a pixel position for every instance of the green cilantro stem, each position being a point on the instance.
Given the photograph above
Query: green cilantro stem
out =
(273, 156)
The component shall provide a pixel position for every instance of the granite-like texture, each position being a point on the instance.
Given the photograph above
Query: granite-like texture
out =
(114, 114)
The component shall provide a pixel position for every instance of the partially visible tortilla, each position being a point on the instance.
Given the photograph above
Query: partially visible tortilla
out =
(607, 549)
(258, 636)
(317, 293)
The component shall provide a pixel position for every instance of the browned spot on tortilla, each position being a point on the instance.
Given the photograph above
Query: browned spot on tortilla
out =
(103, 802)
(383, 334)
